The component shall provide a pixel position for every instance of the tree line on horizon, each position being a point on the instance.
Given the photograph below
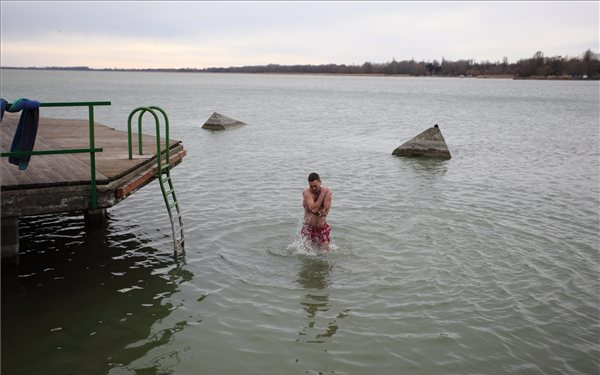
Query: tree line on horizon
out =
(587, 66)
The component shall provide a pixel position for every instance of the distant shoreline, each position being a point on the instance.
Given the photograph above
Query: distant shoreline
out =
(538, 67)
(346, 74)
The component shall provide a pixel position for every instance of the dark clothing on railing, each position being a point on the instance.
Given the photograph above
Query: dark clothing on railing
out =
(26, 132)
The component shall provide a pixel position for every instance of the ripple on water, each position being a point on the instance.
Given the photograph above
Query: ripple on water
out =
(485, 263)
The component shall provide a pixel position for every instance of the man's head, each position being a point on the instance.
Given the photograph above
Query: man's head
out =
(314, 181)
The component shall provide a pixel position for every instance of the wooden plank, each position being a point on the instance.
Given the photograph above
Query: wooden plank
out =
(61, 169)
(8, 178)
(114, 161)
(144, 178)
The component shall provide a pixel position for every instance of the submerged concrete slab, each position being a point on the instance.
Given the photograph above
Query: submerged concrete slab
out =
(219, 122)
(430, 144)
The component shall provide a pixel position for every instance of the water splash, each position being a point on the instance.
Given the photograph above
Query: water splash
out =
(302, 246)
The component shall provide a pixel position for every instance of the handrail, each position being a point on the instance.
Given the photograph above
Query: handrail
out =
(92, 149)
(51, 152)
(167, 141)
(164, 176)
(151, 110)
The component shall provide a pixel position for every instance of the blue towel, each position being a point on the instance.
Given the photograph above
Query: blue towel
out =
(3, 104)
(24, 138)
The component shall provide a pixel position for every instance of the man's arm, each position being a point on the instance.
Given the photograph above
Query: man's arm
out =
(326, 204)
(312, 205)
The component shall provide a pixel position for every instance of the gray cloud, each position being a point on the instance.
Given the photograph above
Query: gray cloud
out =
(242, 33)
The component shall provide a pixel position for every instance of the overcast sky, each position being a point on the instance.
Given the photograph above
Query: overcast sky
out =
(208, 34)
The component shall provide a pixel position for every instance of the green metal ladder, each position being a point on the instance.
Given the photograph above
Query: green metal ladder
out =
(163, 173)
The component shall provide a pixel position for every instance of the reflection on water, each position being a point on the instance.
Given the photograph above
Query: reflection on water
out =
(90, 298)
(314, 272)
(315, 275)
(426, 168)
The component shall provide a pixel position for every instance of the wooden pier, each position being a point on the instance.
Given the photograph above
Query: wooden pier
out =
(62, 183)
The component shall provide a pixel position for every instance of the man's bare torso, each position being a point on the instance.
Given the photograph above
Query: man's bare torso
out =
(318, 219)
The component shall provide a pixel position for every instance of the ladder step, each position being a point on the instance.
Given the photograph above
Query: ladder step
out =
(173, 204)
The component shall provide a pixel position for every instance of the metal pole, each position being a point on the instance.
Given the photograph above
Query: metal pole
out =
(94, 196)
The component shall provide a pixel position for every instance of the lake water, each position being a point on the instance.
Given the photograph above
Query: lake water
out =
(488, 263)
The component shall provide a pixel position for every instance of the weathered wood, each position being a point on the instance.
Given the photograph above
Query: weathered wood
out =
(144, 178)
(60, 183)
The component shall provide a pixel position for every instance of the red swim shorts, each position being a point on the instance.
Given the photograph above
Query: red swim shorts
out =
(316, 235)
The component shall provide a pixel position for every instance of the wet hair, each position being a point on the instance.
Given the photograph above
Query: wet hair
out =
(313, 177)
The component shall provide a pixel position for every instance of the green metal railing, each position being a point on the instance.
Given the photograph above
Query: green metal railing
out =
(92, 149)
(151, 110)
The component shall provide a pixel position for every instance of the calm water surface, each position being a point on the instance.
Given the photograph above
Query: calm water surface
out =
(484, 264)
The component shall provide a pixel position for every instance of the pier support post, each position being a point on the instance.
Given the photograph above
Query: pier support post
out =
(10, 237)
(95, 217)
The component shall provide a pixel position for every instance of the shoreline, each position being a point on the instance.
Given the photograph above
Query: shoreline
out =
(482, 76)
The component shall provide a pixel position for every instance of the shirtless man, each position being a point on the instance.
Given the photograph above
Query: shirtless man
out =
(316, 202)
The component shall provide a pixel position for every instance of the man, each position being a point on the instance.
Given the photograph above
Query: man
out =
(316, 202)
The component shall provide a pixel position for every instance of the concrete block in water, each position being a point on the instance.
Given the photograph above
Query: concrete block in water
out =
(219, 122)
(429, 143)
